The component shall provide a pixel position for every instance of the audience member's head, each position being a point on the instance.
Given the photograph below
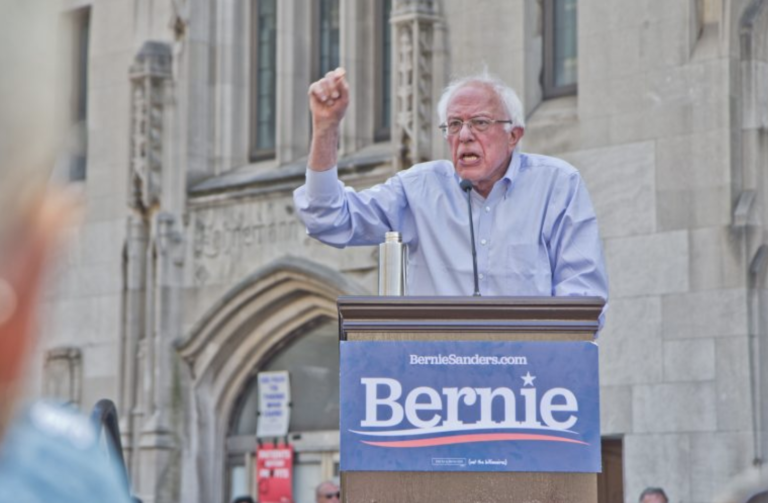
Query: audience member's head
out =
(327, 492)
(653, 495)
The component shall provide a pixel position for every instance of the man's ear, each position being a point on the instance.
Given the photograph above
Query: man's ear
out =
(515, 136)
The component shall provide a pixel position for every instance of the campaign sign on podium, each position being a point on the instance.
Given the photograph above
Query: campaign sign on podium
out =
(469, 406)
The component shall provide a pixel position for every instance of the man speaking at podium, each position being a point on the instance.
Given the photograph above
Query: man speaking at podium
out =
(535, 227)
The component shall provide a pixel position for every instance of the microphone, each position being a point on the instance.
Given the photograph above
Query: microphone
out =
(466, 186)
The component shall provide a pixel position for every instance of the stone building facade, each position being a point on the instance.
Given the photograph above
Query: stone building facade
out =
(191, 272)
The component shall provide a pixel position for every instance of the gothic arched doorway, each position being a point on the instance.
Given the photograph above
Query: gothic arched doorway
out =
(281, 317)
(312, 361)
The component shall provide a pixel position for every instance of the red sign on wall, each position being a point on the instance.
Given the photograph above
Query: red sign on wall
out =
(274, 473)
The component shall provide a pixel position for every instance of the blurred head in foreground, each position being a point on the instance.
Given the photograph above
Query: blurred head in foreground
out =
(32, 214)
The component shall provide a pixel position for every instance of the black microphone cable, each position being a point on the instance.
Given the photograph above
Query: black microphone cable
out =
(466, 186)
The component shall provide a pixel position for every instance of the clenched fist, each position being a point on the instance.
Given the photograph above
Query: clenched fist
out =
(328, 100)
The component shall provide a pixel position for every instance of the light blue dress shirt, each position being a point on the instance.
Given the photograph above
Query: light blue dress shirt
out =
(536, 232)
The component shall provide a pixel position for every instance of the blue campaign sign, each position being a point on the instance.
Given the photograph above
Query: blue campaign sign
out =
(470, 406)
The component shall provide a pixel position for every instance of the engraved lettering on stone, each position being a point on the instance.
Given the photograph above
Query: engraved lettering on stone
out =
(232, 231)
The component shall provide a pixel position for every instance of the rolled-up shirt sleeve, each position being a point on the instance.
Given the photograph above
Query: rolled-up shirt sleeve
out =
(323, 186)
(339, 216)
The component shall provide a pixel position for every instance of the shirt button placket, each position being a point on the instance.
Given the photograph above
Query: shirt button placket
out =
(484, 230)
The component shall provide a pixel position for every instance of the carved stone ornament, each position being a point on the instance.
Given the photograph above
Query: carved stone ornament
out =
(413, 23)
(150, 75)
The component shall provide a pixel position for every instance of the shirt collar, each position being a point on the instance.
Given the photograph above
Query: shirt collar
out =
(515, 164)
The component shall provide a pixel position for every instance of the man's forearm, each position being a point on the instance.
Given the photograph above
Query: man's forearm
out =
(323, 152)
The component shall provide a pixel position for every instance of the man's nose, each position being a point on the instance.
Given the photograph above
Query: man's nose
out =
(466, 133)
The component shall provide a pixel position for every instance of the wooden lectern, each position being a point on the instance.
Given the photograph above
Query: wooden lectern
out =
(468, 319)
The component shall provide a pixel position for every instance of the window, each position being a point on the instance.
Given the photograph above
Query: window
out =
(560, 48)
(328, 36)
(383, 71)
(263, 79)
(78, 142)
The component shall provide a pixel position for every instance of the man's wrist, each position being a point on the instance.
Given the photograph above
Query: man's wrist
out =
(325, 131)
(323, 153)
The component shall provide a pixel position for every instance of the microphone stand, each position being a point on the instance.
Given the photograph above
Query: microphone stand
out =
(466, 186)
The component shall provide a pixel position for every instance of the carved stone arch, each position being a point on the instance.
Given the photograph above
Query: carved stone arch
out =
(240, 332)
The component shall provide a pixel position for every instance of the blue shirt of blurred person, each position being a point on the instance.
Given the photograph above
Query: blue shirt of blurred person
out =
(52, 454)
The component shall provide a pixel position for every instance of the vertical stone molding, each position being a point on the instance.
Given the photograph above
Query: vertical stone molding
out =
(64, 375)
(294, 53)
(169, 254)
(751, 177)
(152, 264)
(131, 405)
(149, 75)
(413, 25)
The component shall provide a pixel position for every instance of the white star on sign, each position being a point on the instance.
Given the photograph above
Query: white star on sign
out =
(527, 379)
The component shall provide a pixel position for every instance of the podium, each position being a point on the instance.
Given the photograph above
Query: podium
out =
(468, 319)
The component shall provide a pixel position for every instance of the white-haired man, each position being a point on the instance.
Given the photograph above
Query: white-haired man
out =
(536, 229)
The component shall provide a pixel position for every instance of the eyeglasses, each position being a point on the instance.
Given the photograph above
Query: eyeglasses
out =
(336, 495)
(476, 124)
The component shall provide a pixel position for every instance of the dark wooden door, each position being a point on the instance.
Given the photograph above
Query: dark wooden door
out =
(610, 483)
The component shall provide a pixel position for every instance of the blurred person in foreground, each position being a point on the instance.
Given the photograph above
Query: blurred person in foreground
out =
(47, 453)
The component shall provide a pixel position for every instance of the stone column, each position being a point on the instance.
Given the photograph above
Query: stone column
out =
(152, 276)
(293, 77)
(753, 74)
(158, 448)
(356, 56)
(132, 333)
(231, 88)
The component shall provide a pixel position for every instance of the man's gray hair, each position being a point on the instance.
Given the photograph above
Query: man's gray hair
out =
(506, 95)
(653, 491)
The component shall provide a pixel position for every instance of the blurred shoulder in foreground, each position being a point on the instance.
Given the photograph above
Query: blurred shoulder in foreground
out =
(52, 453)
